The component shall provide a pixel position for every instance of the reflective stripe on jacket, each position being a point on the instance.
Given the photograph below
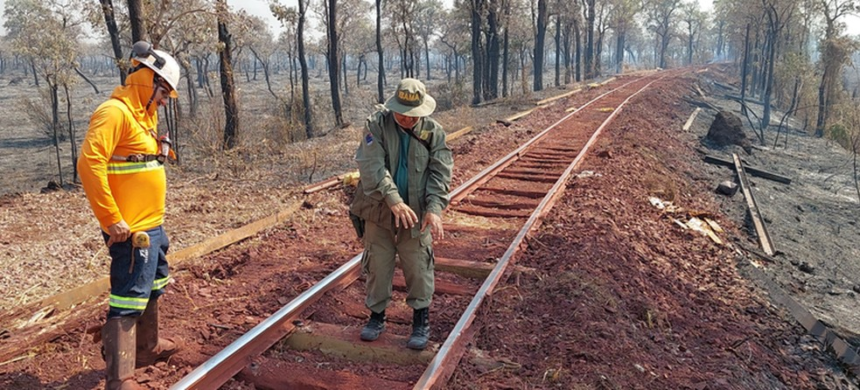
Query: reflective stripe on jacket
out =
(134, 192)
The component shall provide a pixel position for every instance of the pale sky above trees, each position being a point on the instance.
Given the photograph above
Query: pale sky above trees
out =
(261, 8)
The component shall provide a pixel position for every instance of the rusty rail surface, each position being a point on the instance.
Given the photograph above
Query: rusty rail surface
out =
(224, 365)
(467, 187)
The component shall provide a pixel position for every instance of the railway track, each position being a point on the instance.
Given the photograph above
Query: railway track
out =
(489, 219)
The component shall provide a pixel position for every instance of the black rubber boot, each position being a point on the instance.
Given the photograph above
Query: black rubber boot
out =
(420, 329)
(374, 327)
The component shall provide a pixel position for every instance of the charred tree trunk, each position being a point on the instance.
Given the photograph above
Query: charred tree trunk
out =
(265, 65)
(55, 123)
(567, 55)
(35, 75)
(773, 47)
(113, 32)
(135, 16)
(306, 90)
(333, 62)
(380, 78)
(619, 51)
(821, 121)
(664, 45)
(589, 39)
(345, 74)
(427, 58)
(798, 85)
(754, 64)
(506, 55)
(477, 56)
(228, 87)
(492, 82)
(690, 39)
(72, 143)
(745, 70)
(557, 50)
(192, 92)
(540, 40)
(578, 44)
(720, 39)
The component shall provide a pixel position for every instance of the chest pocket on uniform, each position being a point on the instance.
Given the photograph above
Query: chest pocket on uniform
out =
(420, 158)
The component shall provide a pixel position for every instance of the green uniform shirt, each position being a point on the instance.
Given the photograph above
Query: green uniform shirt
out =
(378, 155)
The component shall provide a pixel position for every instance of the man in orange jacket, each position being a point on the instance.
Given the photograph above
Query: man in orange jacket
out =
(122, 172)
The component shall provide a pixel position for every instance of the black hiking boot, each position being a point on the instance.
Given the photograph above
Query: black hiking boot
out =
(420, 329)
(374, 327)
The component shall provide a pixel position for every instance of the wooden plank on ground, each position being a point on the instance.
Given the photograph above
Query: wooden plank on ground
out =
(327, 183)
(277, 373)
(519, 115)
(467, 268)
(343, 342)
(751, 170)
(459, 133)
(464, 268)
(554, 98)
(692, 118)
(760, 227)
(441, 287)
(67, 299)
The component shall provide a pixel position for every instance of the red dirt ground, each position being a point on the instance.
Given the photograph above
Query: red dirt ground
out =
(622, 298)
(614, 295)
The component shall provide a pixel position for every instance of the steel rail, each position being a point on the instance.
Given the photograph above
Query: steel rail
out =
(442, 363)
(485, 175)
(229, 361)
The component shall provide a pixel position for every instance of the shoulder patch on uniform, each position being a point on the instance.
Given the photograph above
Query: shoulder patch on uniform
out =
(368, 139)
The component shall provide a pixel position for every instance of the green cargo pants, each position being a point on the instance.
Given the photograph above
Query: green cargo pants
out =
(416, 260)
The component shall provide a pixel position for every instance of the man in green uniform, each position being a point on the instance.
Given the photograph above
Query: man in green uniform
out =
(405, 169)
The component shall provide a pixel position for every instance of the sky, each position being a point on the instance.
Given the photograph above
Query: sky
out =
(261, 8)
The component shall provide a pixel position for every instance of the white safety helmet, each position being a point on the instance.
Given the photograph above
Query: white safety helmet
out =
(160, 62)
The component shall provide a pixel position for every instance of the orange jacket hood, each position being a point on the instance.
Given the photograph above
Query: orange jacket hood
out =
(136, 93)
(120, 190)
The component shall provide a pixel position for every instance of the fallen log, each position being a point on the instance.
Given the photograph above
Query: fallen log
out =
(327, 183)
(752, 171)
(758, 221)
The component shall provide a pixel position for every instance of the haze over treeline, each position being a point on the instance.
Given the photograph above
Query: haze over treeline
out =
(790, 55)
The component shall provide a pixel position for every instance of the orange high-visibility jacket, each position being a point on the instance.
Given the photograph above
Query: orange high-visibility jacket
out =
(122, 126)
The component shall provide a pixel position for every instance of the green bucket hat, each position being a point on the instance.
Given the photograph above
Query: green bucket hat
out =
(411, 99)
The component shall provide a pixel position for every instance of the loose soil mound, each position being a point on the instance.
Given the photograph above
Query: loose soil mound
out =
(726, 130)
